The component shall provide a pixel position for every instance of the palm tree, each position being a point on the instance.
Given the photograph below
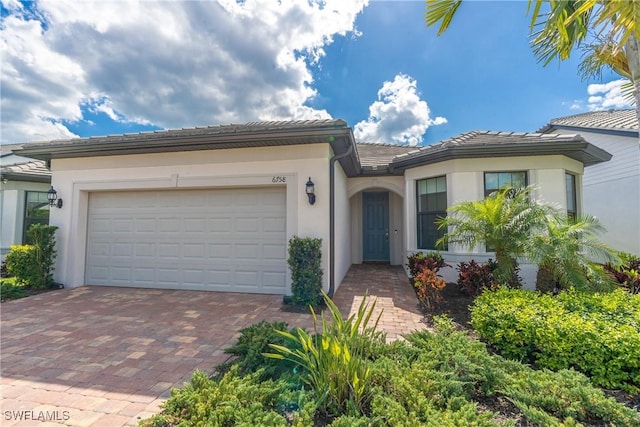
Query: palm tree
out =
(503, 221)
(568, 24)
(569, 252)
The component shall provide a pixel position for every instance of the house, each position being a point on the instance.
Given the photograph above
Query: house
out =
(212, 208)
(611, 191)
(23, 196)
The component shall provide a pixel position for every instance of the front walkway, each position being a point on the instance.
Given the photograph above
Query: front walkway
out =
(105, 356)
(390, 288)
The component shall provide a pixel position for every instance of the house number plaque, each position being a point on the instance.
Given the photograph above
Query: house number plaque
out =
(279, 179)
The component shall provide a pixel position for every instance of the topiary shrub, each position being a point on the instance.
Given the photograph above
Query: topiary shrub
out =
(305, 256)
(597, 334)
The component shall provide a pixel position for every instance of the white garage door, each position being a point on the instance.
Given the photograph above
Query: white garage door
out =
(220, 240)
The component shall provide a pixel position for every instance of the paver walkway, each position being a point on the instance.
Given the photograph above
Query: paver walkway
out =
(107, 356)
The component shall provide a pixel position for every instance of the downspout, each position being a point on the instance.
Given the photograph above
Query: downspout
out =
(332, 218)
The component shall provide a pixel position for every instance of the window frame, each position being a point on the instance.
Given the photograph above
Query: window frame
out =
(27, 220)
(437, 213)
(484, 176)
(572, 214)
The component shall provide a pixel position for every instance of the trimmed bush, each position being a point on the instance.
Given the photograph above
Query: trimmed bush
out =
(597, 334)
(305, 257)
(21, 261)
(32, 265)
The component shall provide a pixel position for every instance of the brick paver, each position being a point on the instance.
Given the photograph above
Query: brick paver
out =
(109, 356)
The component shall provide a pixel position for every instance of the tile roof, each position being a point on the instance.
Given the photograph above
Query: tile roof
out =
(376, 155)
(32, 171)
(476, 144)
(618, 120)
(201, 131)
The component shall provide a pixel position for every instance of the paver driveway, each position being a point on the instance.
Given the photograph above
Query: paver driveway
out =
(108, 356)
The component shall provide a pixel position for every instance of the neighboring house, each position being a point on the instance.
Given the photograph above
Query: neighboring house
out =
(23, 196)
(611, 191)
(213, 208)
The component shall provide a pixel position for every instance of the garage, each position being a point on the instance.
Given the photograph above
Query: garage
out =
(231, 240)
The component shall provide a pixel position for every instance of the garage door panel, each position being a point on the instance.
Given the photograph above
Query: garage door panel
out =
(223, 240)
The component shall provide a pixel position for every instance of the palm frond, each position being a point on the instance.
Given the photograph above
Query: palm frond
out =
(441, 11)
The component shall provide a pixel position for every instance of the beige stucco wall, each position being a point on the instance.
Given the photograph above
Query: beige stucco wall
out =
(74, 179)
(465, 181)
(342, 244)
(12, 204)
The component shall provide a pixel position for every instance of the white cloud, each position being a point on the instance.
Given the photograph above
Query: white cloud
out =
(608, 95)
(171, 64)
(398, 116)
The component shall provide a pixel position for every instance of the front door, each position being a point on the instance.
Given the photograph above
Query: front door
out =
(375, 208)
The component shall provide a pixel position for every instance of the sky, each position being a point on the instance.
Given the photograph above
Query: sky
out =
(84, 68)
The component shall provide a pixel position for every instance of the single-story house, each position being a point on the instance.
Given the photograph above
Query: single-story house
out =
(23, 196)
(611, 191)
(212, 208)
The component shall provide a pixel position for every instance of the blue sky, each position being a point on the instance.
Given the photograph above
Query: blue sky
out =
(88, 69)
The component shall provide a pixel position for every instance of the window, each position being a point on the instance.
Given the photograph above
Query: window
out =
(494, 181)
(432, 204)
(36, 211)
(572, 205)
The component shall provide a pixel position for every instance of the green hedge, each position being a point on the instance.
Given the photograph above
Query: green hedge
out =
(305, 257)
(21, 261)
(597, 334)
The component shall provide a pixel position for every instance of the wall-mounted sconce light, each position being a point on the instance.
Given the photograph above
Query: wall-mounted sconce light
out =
(52, 196)
(310, 190)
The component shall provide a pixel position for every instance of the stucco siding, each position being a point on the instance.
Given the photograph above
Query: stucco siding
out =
(465, 182)
(12, 205)
(342, 244)
(289, 167)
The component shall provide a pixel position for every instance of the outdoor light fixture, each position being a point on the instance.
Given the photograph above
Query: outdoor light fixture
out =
(310, 190)
(52, 196)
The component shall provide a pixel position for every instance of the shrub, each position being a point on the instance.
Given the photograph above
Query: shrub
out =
(335, 365)
(597, 334)
(627, 273)
(9, 289)
(44, 239)
(231, 400)
(474, 278)
(21, 264)
(253, 342)
(32, 265)
(304, 261)
(420, 261)
(428, 287)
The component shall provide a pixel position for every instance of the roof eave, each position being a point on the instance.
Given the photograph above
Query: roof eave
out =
(25, 177)
(162, 144)
(584, 152)
(606, 131)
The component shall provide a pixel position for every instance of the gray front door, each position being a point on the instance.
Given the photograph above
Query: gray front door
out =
(375, 208)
